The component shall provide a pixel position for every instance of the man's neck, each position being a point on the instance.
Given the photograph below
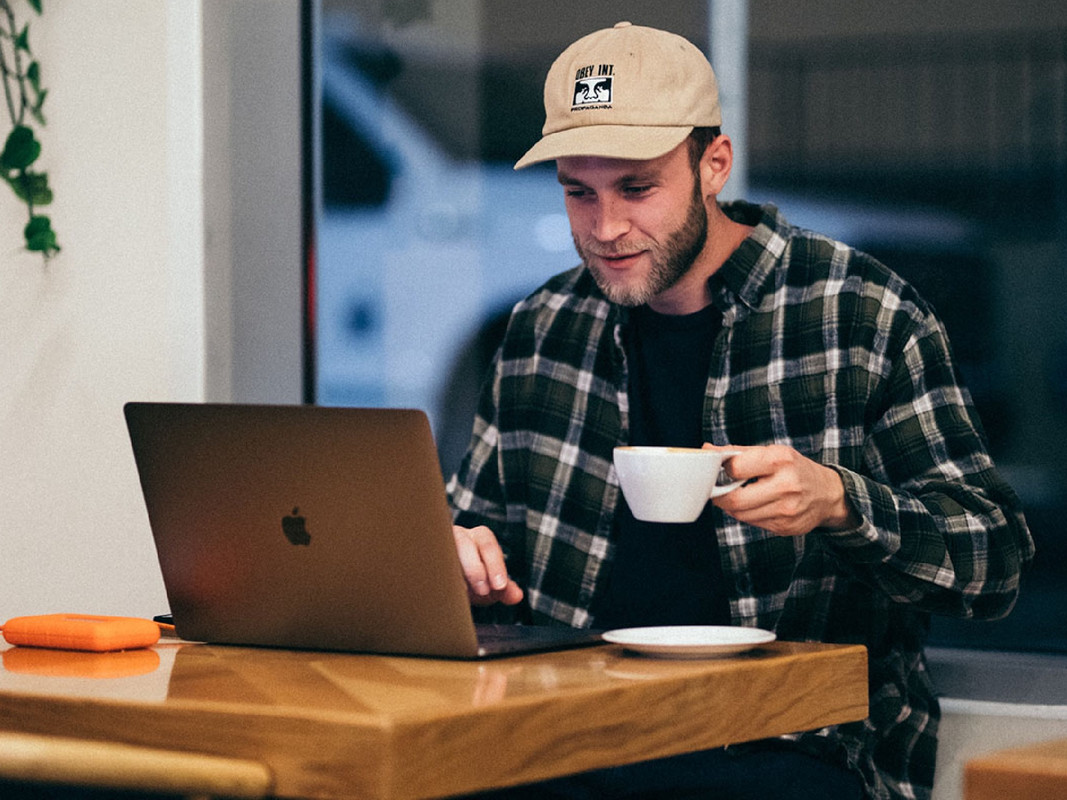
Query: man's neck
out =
(692, 292)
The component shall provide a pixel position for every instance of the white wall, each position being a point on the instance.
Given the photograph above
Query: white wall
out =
(252, 181)
(121, 313)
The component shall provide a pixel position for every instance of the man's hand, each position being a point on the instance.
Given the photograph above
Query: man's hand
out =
(483, 566)
(786, 493)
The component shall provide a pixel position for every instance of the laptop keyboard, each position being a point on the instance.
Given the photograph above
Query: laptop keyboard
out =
(502, 633)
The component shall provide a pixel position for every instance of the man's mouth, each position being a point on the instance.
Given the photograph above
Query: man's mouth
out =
(619, 260)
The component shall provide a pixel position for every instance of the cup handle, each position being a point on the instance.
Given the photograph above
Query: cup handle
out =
(719, 489)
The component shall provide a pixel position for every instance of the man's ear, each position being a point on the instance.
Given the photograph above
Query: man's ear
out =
(715, 165)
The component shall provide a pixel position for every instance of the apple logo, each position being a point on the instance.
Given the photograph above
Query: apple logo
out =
(294, 528)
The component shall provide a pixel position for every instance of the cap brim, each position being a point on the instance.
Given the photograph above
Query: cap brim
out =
(606, 141)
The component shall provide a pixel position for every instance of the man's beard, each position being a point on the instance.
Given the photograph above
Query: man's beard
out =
(670, 260)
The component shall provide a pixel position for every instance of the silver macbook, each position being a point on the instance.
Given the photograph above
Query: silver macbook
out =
(311, 527)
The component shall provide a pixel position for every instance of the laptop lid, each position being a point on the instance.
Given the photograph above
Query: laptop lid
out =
(306, 527)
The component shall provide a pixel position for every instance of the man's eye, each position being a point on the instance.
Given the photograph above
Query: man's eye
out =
(638, 189)
(574, 192)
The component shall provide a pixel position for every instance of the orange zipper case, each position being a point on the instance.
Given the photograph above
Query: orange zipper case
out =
(81, 632)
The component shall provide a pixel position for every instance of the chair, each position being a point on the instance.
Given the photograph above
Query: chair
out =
(27, 759)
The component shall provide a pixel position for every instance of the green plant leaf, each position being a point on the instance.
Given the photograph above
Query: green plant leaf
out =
(40, 237)
(35, 109)
(32, 188)
(22, 41)
(20, 150)
(38, 104)
(17, 182)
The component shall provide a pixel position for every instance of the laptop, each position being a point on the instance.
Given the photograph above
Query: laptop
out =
(312, 528)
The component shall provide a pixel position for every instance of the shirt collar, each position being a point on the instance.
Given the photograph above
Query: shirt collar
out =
(747, 274)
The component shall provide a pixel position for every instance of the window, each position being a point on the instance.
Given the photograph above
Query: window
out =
(427, 235)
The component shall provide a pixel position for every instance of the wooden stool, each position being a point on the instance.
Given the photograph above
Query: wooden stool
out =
(54, 760)
(1034, 772)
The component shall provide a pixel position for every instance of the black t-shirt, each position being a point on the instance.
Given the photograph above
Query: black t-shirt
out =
(666, 573)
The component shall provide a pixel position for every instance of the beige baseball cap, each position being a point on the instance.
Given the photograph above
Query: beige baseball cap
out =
(625, 92)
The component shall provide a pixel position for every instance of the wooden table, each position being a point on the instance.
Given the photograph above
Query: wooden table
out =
(332, 725)
(1034, 772)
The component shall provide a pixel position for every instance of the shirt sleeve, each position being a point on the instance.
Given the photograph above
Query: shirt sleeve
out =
(940, 528)
(475, 492)
(477, 497)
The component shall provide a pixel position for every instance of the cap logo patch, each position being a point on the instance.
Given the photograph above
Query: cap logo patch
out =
(592, 87)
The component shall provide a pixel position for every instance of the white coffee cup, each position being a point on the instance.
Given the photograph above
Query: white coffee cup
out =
(670, 484)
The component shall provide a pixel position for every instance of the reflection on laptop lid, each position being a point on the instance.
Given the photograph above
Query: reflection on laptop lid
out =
(309, 527)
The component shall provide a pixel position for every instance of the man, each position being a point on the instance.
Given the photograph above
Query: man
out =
(870, 500)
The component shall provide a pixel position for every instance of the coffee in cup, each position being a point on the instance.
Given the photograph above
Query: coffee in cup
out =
(670, 484)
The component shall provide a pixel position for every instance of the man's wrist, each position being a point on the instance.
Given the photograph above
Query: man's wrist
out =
(842, 516)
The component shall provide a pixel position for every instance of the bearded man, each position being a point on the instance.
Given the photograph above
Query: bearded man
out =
(869, 499)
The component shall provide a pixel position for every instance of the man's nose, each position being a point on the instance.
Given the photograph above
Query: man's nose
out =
(611, 220)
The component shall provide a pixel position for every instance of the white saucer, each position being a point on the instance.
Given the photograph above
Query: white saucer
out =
(689, 641)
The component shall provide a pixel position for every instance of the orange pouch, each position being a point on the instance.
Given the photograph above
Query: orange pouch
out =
(81, 632)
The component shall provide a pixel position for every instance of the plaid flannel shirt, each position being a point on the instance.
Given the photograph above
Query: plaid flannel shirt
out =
(823, 349)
